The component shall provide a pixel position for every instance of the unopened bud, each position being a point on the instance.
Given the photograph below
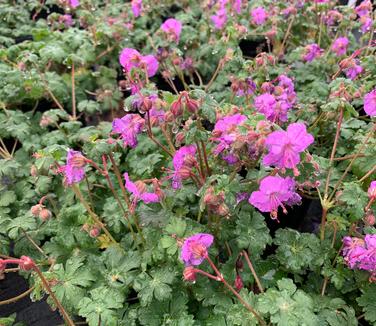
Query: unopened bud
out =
(94, 232)
(369, 219)
(33, 171)
(26, 263)
(189, 274)
(238, 283)
(168, 116)
(146, 104)
(35, 210)
(176, 108)
(222, 210)
(192, 105)
(179, 138)
(141, 186)
(45, 214)
(184, 173)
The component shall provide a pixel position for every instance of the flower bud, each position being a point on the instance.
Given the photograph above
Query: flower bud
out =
(238, 283)
(45, 214)
(26, 263)
(45, 121)
(168, 116)
(184, 173)
(189, 160)
(222, 210)
(35, 210)
(192, 105)
(189, 274)
(94, 232)
(146, 104)
(141, 186)
(369, 219)
(179, 138)
(176, 108)
(33, 171)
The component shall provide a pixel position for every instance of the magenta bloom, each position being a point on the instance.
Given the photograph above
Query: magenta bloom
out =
(353, 71)
(74, 3)
(195, 248)
(370, 103)
(128, 127)
(172, 27)
(238, 6)
(259, 16)
(366, 24)
(311, 52)
(220, 18)
(66, 20)
(183, 161)
(275, 192)
(74, 170)
(372, 190)
(340, 45)
(266, 104)
(136, 6)
(364, 8)
(285, 146)
(332, 17)
(130, 58)
(359, 253)
(139, 191)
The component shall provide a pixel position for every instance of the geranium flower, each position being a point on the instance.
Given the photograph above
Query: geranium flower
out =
(182, 161)
(285, 146)
(74, 3)
(220, 18)
(364, 8)
(359, 253)
(130, 58)
(195, 248)
(259, 16)
(266, 104)
(370, 103)
(136, 6)
(332, 17)
(372, 190)
(172, 27)
(138, 191)
(311, 52)
(274, 192)
(74, 170)
(340, 45)
(128, 127)
(366, 24)
(353, 70)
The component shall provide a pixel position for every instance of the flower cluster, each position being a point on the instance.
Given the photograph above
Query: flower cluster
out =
(277, 99)
(360, 253)
(364, 11)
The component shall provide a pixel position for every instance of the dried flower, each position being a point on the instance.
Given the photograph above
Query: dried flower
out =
(195, 248)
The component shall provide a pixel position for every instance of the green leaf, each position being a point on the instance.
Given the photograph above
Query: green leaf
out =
(368, 302)
(7, 197)
(356, 199)
(101, 307)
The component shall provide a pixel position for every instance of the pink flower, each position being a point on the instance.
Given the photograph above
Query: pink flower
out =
(275, 192)
(370, 103)
(195, 249)
(360, 253)
(138, 191)
(238, 6)
(66, 20)
(172, 27)
(130, 58)
(74, 170)
(340, 45)
(353, 70)
(372, 190)
(259, 16)
(128, 127)
(364, 8)
(366, 24)
(136, 7)
(226, 132)
(74, 3)
(332, 17)
(220, 18)
(311, 51)
(285, 146)
(183, 161)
